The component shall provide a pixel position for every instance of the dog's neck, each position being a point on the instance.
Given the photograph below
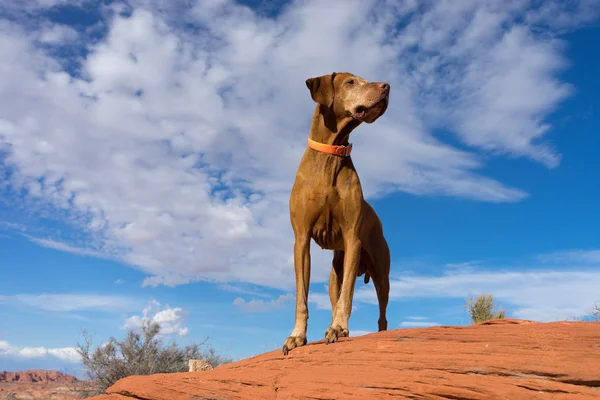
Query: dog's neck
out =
(326, 128)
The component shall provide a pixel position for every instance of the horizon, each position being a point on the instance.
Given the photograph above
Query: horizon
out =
(148, 149)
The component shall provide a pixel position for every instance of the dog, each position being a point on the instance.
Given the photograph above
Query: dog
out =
(327, 204)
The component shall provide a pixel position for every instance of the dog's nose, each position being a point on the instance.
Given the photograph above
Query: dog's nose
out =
(384, 86)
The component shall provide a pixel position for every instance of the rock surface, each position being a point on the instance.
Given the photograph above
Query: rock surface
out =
(36, 376)
(502, 359)
(38, 391)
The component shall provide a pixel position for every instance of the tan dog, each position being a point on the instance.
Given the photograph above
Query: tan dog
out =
(327, 204)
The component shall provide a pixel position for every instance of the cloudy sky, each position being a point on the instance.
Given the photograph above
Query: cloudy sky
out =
(148, 148)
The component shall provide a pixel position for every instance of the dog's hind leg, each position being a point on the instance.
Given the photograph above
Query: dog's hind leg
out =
(381, 280)
(382, 287)
(377, 266)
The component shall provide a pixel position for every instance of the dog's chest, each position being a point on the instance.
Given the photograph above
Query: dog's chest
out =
(327, 231)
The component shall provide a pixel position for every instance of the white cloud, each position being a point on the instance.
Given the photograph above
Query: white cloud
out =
(259, 305)
(175, 149)
(359, 333)
(171, 320)
(119, 282)
(242, 290)
(37, 5)
(73, 302)
(33, 352)
(68, 354)
(321, 300)
(32, 9)
(13, 226)
(572, 257)
(417, 324)
(564, 16)
(541, 295)
(5, 348)
(58, 35)
(53, 244)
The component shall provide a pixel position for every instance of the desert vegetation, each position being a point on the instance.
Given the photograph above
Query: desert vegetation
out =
(139, 353)
(483, 308)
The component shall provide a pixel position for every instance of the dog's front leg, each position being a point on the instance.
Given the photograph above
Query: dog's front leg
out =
(302, 268)
(339, 326)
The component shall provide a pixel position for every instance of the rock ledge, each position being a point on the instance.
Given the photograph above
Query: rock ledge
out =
(501, 359)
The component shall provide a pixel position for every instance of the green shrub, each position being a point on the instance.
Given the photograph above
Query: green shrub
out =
(483, 309)
(138, 354)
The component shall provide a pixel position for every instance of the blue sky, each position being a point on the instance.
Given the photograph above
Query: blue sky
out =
(147, 151)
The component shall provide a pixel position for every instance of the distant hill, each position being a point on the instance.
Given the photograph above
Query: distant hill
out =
(36, 376)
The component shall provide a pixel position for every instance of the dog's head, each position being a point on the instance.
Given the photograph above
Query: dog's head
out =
(349, 95)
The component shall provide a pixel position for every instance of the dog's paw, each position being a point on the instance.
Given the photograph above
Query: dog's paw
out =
(292, 342)
(334, 332)
(382, 324)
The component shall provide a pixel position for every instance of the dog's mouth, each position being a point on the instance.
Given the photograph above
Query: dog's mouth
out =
(362, 112)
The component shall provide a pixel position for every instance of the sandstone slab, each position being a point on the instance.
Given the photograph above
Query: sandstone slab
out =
(502, 359)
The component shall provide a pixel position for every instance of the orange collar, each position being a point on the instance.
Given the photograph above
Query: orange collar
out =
(340, 151)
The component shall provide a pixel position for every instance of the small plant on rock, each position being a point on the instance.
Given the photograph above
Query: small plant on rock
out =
(483, 309)
(140, 353)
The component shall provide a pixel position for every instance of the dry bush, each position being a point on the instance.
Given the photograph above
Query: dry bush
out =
(137, 354)
(483, 309)
(596, 312)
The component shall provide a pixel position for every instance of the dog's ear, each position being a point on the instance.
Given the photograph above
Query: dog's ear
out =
(321, 89)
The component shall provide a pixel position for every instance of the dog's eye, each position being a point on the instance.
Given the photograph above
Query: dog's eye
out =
(350, 82)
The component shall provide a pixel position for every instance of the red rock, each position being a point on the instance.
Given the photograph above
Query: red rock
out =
(36, 376)
(503, 359)
(33, 391)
